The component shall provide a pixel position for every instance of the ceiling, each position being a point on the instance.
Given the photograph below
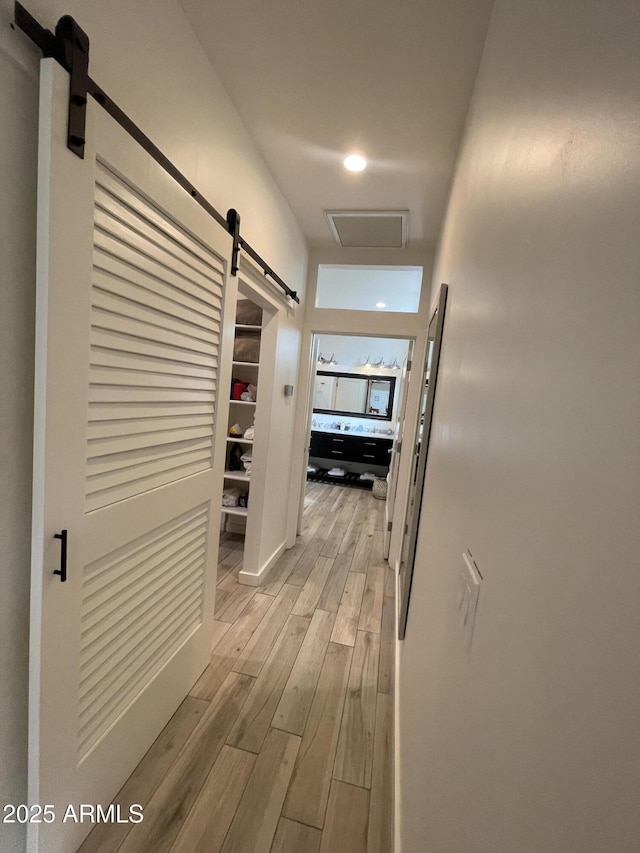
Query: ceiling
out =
(391, 79)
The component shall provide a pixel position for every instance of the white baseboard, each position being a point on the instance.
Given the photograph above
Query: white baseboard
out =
(256, 578)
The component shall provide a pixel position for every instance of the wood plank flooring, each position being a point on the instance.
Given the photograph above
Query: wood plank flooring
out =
(285, 743)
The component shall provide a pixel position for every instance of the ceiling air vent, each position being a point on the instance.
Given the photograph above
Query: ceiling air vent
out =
(367, 229)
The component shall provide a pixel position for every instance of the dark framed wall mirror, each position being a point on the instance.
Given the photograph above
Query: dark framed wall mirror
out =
(354, 394)
(423, 431)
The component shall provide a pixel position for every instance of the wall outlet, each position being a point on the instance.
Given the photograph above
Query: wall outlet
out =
(469, 590)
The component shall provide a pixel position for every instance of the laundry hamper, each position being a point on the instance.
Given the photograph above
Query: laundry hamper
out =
(379, 489)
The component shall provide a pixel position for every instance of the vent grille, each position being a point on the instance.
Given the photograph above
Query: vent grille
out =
(354, 229)
(156, 308)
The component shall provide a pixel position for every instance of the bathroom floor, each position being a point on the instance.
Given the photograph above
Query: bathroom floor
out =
(284, 745)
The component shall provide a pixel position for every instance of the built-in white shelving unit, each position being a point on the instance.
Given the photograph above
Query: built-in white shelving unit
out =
(236, 510)
(241, 412)
(236, 475)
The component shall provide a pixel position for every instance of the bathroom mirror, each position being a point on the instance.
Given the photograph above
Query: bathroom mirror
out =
(419, 465)
(354, 394)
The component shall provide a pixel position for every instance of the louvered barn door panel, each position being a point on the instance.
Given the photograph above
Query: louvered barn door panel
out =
(132, 352)
(151, 284)
(138, 607)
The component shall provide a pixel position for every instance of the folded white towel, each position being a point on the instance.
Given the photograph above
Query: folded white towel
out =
(230, 497)
(250, 395)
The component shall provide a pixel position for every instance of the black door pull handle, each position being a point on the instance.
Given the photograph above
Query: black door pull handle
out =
(62, 571)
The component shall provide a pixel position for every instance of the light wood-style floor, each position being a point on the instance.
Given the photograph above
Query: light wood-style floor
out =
(285, 743)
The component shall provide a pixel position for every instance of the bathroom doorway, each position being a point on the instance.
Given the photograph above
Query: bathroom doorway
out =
(354, 410)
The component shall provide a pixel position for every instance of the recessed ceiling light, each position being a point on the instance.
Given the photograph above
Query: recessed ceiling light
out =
(381, 304)
(355, 163)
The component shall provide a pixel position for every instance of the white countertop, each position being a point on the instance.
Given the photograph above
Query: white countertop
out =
(355, 432)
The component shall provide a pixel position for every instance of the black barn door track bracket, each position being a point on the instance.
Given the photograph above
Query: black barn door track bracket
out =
(233, 224)
(69, 46)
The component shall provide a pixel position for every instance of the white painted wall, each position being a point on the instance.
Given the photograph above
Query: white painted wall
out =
(148, 59)
(351, 351)
(283, 432)
(531, 742)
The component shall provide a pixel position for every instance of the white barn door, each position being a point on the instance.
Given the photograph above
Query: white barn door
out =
(132, 375)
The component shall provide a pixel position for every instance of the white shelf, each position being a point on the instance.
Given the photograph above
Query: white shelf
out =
(234, 510)
(251, 370)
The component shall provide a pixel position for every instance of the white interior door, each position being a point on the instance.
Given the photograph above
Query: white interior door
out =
(395, 454)
(130, 353)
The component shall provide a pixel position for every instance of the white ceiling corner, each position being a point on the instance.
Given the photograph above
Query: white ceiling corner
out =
(314, 82)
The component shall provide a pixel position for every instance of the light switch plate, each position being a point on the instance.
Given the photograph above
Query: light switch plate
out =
(470, 580)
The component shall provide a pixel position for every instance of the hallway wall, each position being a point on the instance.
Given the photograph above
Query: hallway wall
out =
(531, 742)
(148, 59)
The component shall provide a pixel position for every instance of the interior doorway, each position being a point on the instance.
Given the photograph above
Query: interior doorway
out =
(354, 411)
